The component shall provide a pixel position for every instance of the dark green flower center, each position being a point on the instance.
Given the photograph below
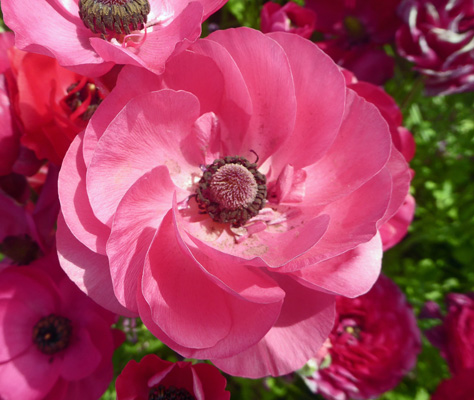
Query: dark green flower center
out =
(119, 16)
(171, 393)
(231, 190)
(52, 334)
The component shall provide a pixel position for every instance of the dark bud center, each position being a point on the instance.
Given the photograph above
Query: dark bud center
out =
(82, 99)
(231, 190)
(52, 334)
(114, 16)
(171, 393)
(21, 249)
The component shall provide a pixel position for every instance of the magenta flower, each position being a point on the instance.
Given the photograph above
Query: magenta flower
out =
(153, 376)
(438, 36)
(55, 343)
(290, 18)
(143, 32)
(459, 387)
(354, 32)
(455, 336)
(374, 343)
(216, 200)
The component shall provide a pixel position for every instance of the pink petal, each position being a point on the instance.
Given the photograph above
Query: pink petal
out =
(320, 103)
(357, 216)
(304, 324)
(159, 44)
(187, 294)
(7, 40)
(148, 143)
(17, 320)
(75, 204)
(361, 149)
(131, 82)
(394, 230)
(88, 270)
(270, 84)
(81, 357)
(138, 215)
(68, 42)
(350, 274)
(212, 382)
(236, 105)
(29, 376)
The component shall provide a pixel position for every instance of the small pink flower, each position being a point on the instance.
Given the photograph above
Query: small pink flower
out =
(455, 336)
(438, 36)
(374, 343)
(55, 343)
(289, 18)
(90, 48)
(227, 201)
(354, 32)
(154, 378)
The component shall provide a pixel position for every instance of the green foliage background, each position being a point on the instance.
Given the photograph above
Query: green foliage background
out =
(434, 259)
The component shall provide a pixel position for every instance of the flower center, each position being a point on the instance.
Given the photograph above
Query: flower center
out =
(82, 99)
(355, 28)
(119, 16)
(163, 393)
(52, 334)
(231, 190)
(22, 249)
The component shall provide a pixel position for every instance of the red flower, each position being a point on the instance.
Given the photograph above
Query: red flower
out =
(374, 343)
(52, 104)
(154, 378)
(455, 336)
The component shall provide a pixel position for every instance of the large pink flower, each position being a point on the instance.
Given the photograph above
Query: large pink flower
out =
(154, 378)
(438, 36)
(459, 387)
(137, 37)
(373, 344)
(155, 223)
(55, 343)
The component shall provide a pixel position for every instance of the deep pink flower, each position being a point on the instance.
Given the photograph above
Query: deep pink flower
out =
(395, 229)
(27, 230)
(438, 36)
(354, 32)
(55, 343)
(374, 343)
(455, 336)
(290, 18)
(255, 296)
(154, 375)
(56, 29)
(459, 387)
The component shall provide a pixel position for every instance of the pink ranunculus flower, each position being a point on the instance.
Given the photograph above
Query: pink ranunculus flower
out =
(82, 38)
(374, 343)
(288, 18)
(228, 201)
(154, 378)
(459, 387)
(438, 36)
(395, 229)
(55, 343)
(354, 32)
(455, 336)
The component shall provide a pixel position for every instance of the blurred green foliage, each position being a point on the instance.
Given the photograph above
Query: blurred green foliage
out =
(435, 258)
